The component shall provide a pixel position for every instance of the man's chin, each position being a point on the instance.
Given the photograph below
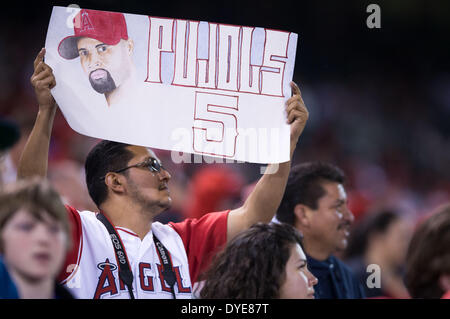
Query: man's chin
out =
(167, 204)
(342, 245)
(103, 85)
(102, 90)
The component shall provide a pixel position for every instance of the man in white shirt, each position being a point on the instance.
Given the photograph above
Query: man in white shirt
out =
(130, 187)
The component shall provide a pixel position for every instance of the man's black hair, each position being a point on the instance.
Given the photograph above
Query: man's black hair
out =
(304, 186)
(105, 157)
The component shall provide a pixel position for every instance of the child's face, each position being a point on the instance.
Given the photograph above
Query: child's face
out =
(33, 249)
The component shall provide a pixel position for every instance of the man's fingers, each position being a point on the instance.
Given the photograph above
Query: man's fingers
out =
(53, 84)
(39, 58)
(42, 75)
(292, 116)
(39, 68)
(48, 82)
(294, 102)
(45, 83)
(42, 71)
(291, 106)
(42, 66)
(46, 76)
(296, 94)
(293, 99)
(295, 109)
(297, 114)
(295, 89)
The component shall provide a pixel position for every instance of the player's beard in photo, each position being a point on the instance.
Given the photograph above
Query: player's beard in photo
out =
(101, 81)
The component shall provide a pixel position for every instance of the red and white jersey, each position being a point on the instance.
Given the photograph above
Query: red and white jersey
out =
(91, 269)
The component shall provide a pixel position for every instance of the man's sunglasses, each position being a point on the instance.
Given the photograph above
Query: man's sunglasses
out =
(151, 163)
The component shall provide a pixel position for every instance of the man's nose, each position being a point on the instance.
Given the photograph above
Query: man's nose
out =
(348, 215)
(164, 174)
(94, 60)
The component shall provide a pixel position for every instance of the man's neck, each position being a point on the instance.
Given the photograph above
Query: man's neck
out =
(315, 250)
(128, 216)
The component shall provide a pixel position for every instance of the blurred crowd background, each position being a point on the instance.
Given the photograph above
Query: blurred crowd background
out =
(379, 101)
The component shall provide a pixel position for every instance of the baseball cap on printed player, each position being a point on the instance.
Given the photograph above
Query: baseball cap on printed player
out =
(104, 26)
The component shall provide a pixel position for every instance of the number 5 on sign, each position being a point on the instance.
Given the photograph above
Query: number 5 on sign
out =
(215, 124)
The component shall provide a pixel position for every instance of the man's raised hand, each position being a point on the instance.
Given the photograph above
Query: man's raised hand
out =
(297, 114)
(43, 81)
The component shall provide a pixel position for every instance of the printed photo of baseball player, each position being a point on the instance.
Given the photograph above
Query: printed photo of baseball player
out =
(105, 50)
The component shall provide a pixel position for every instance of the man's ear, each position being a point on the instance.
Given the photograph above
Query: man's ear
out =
(302, 217)
(115, 182)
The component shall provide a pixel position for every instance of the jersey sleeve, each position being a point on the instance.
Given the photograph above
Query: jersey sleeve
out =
(73, 254)
(202, 238)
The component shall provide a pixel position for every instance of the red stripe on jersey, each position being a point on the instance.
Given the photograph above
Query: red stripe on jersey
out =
(74, 254)
(202, 239)
(126, 231)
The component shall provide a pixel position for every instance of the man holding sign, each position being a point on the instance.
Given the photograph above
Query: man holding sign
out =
(120, 252)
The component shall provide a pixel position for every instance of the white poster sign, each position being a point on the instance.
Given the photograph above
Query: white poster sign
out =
(187, 86)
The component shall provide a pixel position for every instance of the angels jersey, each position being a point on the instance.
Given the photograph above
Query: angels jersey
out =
(91, 269)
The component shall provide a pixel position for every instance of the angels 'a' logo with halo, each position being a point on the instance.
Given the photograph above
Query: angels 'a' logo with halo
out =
(86, 22)
(111, 266)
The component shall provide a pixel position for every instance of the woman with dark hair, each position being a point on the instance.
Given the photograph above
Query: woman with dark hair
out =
(380, 239)
(428, 258)
(264, 262)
